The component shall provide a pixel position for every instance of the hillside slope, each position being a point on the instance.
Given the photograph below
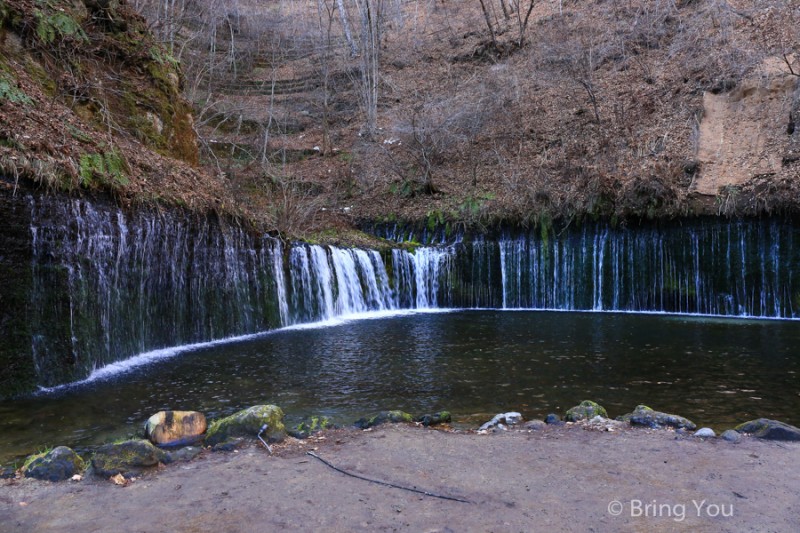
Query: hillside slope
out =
(622, 110)
(90, 102)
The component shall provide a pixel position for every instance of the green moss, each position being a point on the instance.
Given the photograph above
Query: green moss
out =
(49, 27)
(162, 57)
(392, 417)
(108, 168)
(586, 410)
(10, 92)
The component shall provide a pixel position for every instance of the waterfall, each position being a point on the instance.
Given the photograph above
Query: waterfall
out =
(106, 284)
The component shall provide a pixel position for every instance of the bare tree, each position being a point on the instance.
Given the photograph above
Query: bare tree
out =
(371, 26)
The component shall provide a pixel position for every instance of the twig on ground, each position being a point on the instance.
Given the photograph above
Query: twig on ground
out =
(385, 483)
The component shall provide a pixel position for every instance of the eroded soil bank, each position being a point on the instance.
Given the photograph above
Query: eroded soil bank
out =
(559, 479)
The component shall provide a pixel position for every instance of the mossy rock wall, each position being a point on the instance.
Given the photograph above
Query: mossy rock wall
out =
(18, 371)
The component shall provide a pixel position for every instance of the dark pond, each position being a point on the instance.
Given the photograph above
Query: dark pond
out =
(715, 371)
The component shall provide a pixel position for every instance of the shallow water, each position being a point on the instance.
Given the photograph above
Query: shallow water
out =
(717, 372)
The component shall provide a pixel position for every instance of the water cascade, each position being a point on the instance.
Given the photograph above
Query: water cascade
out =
(104, 284)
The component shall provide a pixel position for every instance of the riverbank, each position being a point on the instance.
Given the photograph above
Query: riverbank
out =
(560, 478)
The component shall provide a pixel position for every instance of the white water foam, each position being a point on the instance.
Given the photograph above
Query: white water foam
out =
(118, 368)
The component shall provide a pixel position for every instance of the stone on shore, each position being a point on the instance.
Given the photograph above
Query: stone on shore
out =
(705, 433)
(56, 465)
(310, 426)
(553, 419)
(764, 428)
(731, 435)
(126, 457)
(441, 417)
(500, 421)
(384, 417)
(175, 428)
(535, 425)
(645, 416)
(587, 409)
(182, 454)
(248, 423)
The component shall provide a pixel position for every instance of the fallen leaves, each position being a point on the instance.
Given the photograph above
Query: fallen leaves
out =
(121, 480)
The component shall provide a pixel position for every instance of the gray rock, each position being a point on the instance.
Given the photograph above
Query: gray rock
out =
(731, 435)
(7, 472)
(553, 418)
(587, 409)
(499, 419)
(229, 445)
(645, 416)
(767, 429)
(706, 433)
(248, 423)
(183, 454)
(311, 425)
(56, 465)
(126, 457)
(441, 417)
(384, 417)
(535, 425)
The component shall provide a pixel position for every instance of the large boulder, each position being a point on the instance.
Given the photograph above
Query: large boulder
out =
(175, 428)
(56, 465)
(587, 409)
(248, 423)
(126, 457)
(392, 417)
(645, 416)
(764, 428)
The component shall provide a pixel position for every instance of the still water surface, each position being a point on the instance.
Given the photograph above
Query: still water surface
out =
(715, 371)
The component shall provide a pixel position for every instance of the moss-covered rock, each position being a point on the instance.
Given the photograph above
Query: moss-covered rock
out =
(175, 428)
(585, 410)
(248, 423)
(311, 425)
(645, 416)
(56, 465)
(764, 428)
(392, 417)
(441, 417)
(126, 457)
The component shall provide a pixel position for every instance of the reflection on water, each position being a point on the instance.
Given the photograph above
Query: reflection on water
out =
(717, 372)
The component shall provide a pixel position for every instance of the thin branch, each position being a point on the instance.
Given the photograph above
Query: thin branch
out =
(387, 484)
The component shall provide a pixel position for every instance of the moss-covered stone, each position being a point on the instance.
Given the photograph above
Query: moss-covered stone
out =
(56, 465)
(248, 423)
(441, 417)
(764, 428)
(311, 425)
(392, 417)
(645, 416)
(585, 410)
(126, 457)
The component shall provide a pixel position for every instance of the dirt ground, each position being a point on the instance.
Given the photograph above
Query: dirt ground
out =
(558, 479)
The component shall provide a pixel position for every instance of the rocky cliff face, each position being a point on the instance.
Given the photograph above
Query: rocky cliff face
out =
(18, 373)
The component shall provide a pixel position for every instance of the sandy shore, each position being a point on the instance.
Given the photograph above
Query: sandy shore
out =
(560, 479)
